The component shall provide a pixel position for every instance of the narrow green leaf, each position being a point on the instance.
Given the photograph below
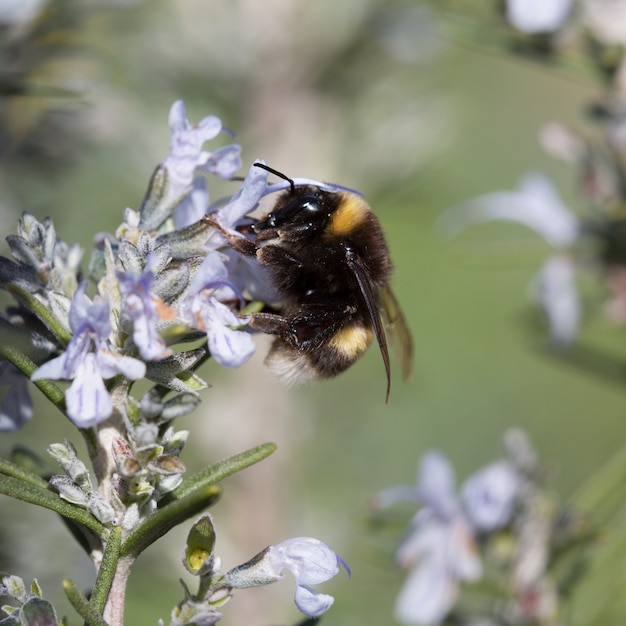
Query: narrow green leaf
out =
(17, 471)
(605, 491)
(43, 312)
(27, 492)
(81, 605)
(110, 559)
(601, 589)
(27, 367)
(220, 470)
(164, 519)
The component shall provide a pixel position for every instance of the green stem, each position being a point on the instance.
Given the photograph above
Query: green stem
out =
(163, 520)
(106, 572)
(220, 470)
(33, 494)
(81, 605)
(116, 600)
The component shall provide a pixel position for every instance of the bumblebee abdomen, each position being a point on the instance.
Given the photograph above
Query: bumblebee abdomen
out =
(351, 341)
(335, 355)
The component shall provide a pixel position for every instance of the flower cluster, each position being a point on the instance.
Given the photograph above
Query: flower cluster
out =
(166, 279)
(501, 531)
(156, 284)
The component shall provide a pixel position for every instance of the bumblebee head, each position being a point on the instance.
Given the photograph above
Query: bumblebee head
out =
(305, 209)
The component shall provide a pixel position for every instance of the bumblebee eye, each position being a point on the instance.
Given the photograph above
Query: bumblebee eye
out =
(310, 204)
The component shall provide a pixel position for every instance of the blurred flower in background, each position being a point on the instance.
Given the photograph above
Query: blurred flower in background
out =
(496, 554)
(441, 549)
(537, 16)
(537, 206)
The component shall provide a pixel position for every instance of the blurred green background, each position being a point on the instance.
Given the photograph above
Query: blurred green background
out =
(418, 108)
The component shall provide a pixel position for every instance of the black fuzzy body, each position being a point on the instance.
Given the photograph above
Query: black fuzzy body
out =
(327, 258)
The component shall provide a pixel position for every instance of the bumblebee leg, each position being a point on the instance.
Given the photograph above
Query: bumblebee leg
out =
(276, 256)
(272, 324)
(305, 331)
(240, 244)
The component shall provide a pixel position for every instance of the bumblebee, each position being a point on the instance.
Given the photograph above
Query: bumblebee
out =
(327, 259)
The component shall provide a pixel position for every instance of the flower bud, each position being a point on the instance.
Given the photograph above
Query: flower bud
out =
(198, 556)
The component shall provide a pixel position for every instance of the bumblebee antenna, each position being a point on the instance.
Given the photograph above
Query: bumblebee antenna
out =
(277, 173)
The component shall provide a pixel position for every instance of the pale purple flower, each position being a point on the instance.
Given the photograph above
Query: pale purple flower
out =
(204, 310)
(228, 346)
(440, 549)
(16, 407)
(537, 16)
(309, 560)
(88, 360)
(141, 307)
(186, 152)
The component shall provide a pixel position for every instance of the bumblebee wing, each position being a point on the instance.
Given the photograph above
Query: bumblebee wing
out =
(397, 330)
(369, 291)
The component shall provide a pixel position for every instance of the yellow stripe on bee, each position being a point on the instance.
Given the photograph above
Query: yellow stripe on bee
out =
(352, 341)
(350, 212)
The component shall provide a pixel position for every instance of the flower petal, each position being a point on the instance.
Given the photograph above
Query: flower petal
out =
(194, 206)
(537, 16)
(312, 603)
(555, 288)
(489, 496)
(427, 595)
(246, 199)
(309, 560)
(224, 161)
(435, 485)
(111, 364)
(88, 315)
(54, 369)
(87, 400)
(229, 347)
